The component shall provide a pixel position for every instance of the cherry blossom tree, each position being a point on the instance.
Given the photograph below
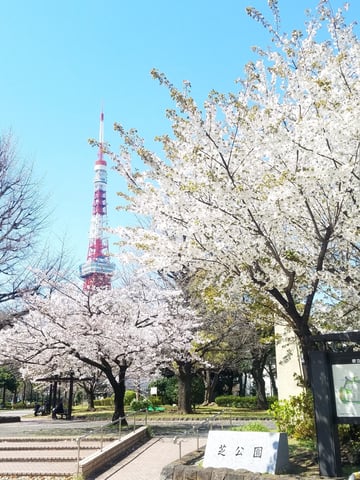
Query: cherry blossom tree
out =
(115, 331)
(260, 188)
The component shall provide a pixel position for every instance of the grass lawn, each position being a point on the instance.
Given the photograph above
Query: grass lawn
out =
(170, 413)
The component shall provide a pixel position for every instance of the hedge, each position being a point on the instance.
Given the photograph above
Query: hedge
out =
(234, 401)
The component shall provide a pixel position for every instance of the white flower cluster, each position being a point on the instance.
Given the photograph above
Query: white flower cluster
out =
(261, 188)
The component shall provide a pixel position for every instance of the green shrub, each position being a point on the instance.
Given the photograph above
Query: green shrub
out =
(104, 402)
(130, 395)
(137, 405)
(155, 401)
(235, 401)
(295, 416)
(349, 437)
(167, 389)
(21, 405)
(252, 427)
(271, 400)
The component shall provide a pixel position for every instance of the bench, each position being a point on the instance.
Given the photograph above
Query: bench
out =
(63, 415)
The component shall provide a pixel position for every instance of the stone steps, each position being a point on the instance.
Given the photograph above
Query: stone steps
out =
(37, 469)
(39, 457)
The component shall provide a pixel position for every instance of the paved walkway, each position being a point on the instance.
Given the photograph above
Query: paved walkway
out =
(31, 425)
(147, 462)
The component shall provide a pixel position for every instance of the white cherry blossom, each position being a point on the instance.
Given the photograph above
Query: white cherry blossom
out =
(260, 187)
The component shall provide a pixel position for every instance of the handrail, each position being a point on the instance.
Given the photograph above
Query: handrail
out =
(194, 428)
(101, 429)
(207, 421)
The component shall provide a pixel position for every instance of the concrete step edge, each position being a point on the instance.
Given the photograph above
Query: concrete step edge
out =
(39, 459)
(57, 439)
(34, 470)
(25, 448)
(24, 475)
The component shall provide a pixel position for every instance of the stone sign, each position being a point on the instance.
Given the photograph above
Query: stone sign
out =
(260, 452)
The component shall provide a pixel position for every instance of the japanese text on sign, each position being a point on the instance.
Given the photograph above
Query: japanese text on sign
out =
(254, 451)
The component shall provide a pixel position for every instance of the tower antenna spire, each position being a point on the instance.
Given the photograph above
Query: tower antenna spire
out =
(101, 136)
(98, 269)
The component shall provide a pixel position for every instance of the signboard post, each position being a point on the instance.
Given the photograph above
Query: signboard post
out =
(335, 381)
(326, 429)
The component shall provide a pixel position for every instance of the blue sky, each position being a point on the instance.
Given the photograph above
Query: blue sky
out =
(62, 61)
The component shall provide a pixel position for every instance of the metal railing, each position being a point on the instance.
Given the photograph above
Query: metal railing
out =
(100, 431)
(193, 430)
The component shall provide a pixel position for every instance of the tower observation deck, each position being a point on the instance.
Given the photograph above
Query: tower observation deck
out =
(98, 269)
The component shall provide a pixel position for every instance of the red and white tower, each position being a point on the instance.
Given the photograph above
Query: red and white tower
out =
(98, 269)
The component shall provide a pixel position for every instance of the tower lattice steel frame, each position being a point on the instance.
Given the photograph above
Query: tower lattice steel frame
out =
(98, 269)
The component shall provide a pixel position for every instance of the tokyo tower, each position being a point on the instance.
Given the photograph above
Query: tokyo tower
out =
(98, 270)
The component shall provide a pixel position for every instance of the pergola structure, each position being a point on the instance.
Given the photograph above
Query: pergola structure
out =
(55, 382)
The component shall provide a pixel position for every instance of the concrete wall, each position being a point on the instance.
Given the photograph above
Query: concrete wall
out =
(104, 458)
(288, 362)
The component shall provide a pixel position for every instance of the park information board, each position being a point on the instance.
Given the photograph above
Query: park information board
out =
(260, 452)
(346, 380)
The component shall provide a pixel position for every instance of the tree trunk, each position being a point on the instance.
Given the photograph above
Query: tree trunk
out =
(207, 380)
(14, 397)
(242, 384)
(119, 394)
(24, 392)
(184, 387)
(300, 326)
(229, 382)
(210, 382)
(306, 347)
(90, 398)
(118, 386)
(257, 370)
(271, 373)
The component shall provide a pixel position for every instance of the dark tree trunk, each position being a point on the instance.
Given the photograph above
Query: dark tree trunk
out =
(271, 373)
(257, 372)
(90, 398)
(117, 382)
(229, 383)
(24, 392)
(119, 395)
(242, 384)
(306, 347)
(184, 387)
(210, 382)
